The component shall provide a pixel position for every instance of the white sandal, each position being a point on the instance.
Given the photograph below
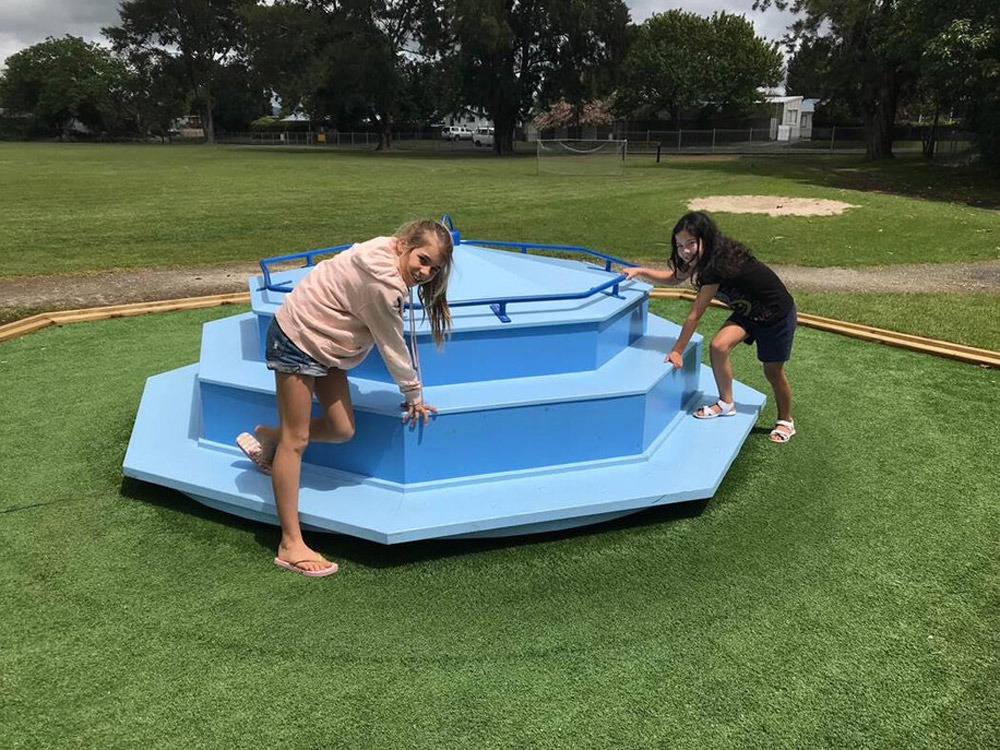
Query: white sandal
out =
(781, 436)
(725, 410)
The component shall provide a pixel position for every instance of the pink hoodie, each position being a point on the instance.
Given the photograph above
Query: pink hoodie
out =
(349, 303)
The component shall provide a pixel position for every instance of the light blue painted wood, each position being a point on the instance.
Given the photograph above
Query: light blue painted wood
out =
(542, 338)
(565, 416)
(687, 464)
(487, 426)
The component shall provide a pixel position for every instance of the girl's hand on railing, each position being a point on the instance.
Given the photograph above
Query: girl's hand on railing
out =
(416, 412)
(631, 273)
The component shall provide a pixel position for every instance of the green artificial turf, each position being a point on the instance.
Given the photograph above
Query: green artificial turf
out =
(94, 207)
(972, 319)
(969, 319)
(839, 591)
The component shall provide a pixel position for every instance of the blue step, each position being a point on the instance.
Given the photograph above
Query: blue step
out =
(687, 463)
(481, 427)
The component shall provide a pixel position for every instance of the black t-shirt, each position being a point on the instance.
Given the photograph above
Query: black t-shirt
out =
(755, 292)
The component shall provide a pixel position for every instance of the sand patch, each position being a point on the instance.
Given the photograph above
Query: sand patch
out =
(769, 204)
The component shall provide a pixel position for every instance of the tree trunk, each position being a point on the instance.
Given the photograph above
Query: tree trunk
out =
(504, 103)
(880, 115)
(503, 133)
(930, 141)
(384, 120)
(208, 123)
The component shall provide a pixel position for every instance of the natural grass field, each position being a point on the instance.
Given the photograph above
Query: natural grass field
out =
(841, 591)
(72, 208)
(91, 208)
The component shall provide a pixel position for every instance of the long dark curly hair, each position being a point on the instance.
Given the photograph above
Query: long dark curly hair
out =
(720, 253)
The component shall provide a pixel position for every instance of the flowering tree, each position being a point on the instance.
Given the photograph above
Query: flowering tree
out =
(562, 113)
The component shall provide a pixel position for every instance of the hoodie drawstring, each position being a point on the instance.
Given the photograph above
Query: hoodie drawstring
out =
(414, 352)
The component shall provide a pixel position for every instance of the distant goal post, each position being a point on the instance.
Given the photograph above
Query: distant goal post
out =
(581, 156)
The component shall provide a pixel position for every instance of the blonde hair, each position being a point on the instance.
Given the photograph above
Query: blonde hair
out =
(433, 293)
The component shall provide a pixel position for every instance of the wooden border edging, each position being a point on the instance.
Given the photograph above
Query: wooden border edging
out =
(938, 348)
(960, 352)
(59, 317)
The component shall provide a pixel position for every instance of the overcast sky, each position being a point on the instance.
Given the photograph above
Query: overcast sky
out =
(27, 22)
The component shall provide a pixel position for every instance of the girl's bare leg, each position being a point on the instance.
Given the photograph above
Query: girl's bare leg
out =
(336, 425)
(723, 342)
(775, 374)
(294, 409)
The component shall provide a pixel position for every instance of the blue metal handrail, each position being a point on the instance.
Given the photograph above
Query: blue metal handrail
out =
(497, 304)
(309, 255)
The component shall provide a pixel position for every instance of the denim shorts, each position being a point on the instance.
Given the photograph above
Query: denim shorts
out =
(284, 356)
(774, 341)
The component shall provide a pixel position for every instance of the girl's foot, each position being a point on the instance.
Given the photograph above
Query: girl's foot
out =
(783, 431)
(301, 559)
(260, 447)
(719, 409)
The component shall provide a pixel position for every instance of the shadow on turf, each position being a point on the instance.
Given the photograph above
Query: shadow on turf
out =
(373, 555)
(908, 175)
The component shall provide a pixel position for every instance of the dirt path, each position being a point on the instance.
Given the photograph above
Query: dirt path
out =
(67, 292)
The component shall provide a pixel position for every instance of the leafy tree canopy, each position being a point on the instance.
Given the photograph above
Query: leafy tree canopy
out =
(873, 48)
(204, 33)
(680, 61)
(61, 80)
(503, 53)
(344, 62)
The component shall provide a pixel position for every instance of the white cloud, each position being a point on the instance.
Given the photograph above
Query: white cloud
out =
(771, 24)
(27, 22)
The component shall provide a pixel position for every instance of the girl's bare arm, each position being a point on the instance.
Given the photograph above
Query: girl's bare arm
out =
(663, 276)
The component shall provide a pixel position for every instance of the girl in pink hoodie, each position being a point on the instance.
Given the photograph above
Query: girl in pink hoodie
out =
(328, 324)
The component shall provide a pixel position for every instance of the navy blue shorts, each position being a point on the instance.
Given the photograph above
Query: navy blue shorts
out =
(774, 341)
(283, 355)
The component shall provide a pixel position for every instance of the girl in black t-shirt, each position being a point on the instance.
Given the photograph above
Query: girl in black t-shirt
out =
(763, 311)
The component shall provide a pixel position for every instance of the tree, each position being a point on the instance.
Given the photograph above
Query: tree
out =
(960, 70)
(680, 61)
(204, 33)
(876, 46)
(156, 94)
(61, 80)
(889, 52)
(240, 97)
(337, 59)
(563, 113)
(504, 51)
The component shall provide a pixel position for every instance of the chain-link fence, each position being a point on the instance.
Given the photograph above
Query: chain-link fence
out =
(951, 143)
(413, 140)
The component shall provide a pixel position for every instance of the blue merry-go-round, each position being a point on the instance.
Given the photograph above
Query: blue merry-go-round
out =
(556, 409)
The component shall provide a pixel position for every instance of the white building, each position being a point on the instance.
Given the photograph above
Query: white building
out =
(786, 117)
(806, 123)
(469, 117)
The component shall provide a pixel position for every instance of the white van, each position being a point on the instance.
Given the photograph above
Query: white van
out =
(456, 133)
(483, 137)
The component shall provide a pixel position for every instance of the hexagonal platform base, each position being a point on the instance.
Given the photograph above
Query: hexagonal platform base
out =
(687, 463)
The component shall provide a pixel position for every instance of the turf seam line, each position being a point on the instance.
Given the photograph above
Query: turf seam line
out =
(936, 347)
